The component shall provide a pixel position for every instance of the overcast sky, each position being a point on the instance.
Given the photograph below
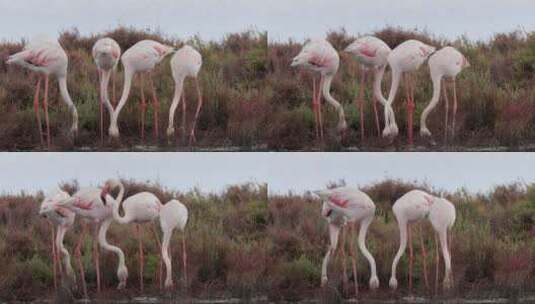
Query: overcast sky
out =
(478, 19)
(298, 172)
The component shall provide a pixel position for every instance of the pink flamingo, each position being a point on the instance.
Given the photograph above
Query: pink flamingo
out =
(88, 203)
(446, 62)
(320, 56)
(64, 220)
(185, 62)
(372, 54)
(106, 53)
(412, 207)
(47, 57)
(145, 207)
(346, 205)
(141, 57)
(406, 57)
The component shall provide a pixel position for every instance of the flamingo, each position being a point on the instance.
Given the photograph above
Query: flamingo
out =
(412, 207)
(185, 62)
(46, 57)
(145, 207)
(106, 53)
(88, 203)
(372, 54)
(347, 205)
(405, 58)
(320, 56)
(64, 220)
(446, 62)
(141, 57)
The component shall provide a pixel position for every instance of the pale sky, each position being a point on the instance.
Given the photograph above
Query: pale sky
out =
(299, 19)
(283, 172)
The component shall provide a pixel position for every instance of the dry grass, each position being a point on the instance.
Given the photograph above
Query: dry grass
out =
(241, 245)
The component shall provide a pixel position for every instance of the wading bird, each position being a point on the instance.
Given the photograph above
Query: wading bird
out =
(88, 203)
(64, 220)
(346, 205)
(412, 207)
(145, 207)
(320, 56)
(405, 58)
(142, 57)
(46, 57)
(372, 53)
(185, 62)
(444, 63)
(106, 53)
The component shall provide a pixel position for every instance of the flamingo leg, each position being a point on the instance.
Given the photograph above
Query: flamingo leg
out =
(36, 109)
(78, 255)
(141, 262)
(197, 112)
(353, 254)
(360, 102)
(424, 257)
(156, 108)
(143, 107)
(54, 259)
(446, 105)
(101, 107)
(315, 108)
(184, 120)
(160, 262)
(45, 106)
(437, 262)
(319, 107)
(344, 260)
(377, 125)
(96, 256)
(410, 107)
(411, 256)
(113, 98)
(454, 109)
(184, 258)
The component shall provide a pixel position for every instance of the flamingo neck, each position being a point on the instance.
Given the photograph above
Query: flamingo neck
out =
(62, 81)
(327, 80)
(104, 83)
(378, 79)
(434, 101)
(128, 76)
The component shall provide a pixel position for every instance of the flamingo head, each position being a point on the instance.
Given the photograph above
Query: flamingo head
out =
(108, 186)
(300, 59)
(51, 201)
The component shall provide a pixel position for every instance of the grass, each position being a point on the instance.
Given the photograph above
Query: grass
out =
(243, 244)
(231, 78)
(254, 100)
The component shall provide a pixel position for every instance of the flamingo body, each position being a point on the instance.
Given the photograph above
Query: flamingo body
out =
(186, 62)
(446, 62)
(348, 205)
(320, 56)
(64, 219)
(417, 205)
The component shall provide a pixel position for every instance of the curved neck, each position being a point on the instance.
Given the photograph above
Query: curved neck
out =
(378, 79)
(326, 87)
(128, 76)
(434, 101)
(362, 245)
(402, 245)
(389, 112)
(104, 95)
(62, 81)
(104, 243)
(117, 204)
